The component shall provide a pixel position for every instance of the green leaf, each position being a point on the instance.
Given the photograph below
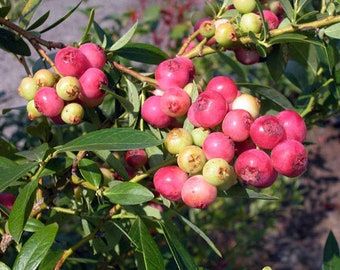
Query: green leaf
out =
(145, 245)
(6, 163)
(22, 208)
(202, 235)
(269, 93)
(331, 253)
(9, 176)
(114, 139)
(37, 154)
(285, 38)
(237, 191)
(12, 43)
(3, 266)
(90, 171)
(36, 248)
(28, 11)
(33, 225)
(333, 31)
(104, 39)
(287, 7)
(181, 256)
(234, 65)
(88, 27)
(113, 162)
(39, 21)
(56, 166)
(133, 96)
(144, 53)
(306, 55)
(128, 193)
(56, 23)
(51, 259)
(4, 10)
(122, 100)
(276, 62)
(7, 149)
(124, 39)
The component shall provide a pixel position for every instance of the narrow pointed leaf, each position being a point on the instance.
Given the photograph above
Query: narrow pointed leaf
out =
(9, 176)
(115, 139)
(39, 21)
(4, 10)
(12, 43)
(151, 255)
(36, 248)
(90, 171)
(246, 193)
(143, 53)
(21, 209)
(120, 43)
(287, 7)
(122, 100)
(181, 256)
(37, 154)
(331, 253)
(56, 23)
(128, 193)
(28, 11)
(88, 27)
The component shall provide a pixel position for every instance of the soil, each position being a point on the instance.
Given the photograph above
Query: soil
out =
(298, 240)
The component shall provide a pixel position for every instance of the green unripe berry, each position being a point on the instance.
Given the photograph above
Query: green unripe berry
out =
(27, 88)
(207, 29)
(72, 113)
(220, 173)
(44, 78)
(32, 111)
(191, 159)
(225, 35)
(177, 139)
(199, 134)
(250, 22)
(68, 88)
(244, 6)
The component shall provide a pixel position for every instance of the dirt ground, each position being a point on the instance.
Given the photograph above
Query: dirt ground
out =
(298, 240)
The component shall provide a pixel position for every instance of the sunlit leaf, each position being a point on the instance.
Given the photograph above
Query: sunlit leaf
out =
(28, 11)
(39, 21)
(128, 193)
(22, 207)
(36, 248)
(114, 139)
(287, 7)
(333, 31)
(88, 27)
(124, 39)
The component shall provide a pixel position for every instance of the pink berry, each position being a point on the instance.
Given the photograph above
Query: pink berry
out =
(198, 193)
(174, 72)
(225, 86)
(191, 116)
(7, 200)
(293, 124)
(91, 81)
(236, 124)
(218, 145)
(243, 146)
(47, 102)
(209, 108)
(70, 61)
(247, 56)
(169, 180)
(94, 54)
(254, 168)
(153, 114)
(266, 132)
(271, 18)
(175, 102)
(136, 158)
(289, 158)
(90, 102)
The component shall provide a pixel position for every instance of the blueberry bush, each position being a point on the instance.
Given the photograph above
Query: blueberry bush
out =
(137, 153)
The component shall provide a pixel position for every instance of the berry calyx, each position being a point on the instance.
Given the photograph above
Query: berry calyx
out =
(191, 159)
(225, 35)
(220, 173)
(68, 88)
(175, 102)
(72, 113)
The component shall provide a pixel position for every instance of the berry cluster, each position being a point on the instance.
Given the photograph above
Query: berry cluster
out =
(226, 33)
(61, 97)
(230, 140)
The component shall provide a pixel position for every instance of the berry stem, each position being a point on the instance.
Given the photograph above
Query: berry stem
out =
(134, 74)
